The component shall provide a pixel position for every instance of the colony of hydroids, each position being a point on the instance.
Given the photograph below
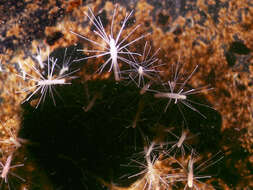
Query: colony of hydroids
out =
(143, 69)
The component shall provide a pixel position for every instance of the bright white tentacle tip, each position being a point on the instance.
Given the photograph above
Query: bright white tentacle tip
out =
(39, 58)
(22, 70)
(1, 66)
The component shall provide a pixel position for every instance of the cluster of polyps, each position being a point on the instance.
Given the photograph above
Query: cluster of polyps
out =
(143, 73)
(47, 76)
(14, 143)
(154, 178)
(140, 71)
(114, 46)
(157, 177)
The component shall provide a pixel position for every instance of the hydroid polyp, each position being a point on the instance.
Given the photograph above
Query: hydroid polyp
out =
(179, 144)
(143, 68)
(115, 47)
(153, 176)
(178, 92)
(192, 175)
(5, 171)
(66, 63)
(47, 79)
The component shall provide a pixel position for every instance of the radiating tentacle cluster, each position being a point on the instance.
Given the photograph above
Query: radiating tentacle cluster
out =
(46, 77)
(166, 172)
(114, 46)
